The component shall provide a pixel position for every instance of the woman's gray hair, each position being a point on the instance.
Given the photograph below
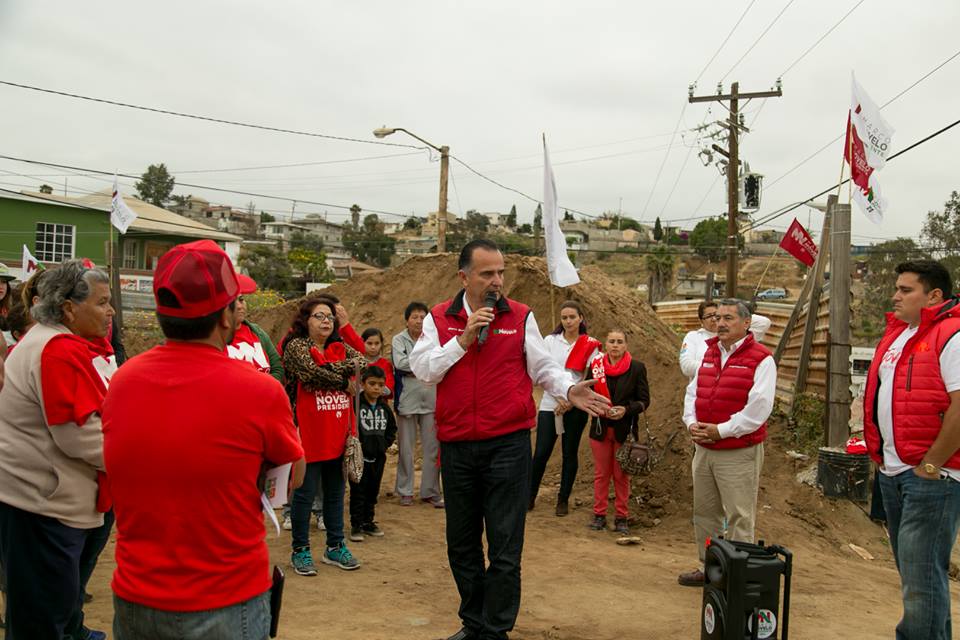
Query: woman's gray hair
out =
(70, 281)
(743, 310)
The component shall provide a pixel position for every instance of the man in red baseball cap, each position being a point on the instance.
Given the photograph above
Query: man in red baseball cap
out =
(183, 458)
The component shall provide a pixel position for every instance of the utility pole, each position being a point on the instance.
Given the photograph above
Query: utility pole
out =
(732, 153)
(442, 211)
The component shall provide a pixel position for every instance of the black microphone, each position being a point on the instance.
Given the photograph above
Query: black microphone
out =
(489, 300)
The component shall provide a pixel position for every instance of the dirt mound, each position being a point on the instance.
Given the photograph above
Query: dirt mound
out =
(378, 300)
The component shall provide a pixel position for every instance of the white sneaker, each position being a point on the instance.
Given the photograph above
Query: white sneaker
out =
(287, 523)
(320, 525)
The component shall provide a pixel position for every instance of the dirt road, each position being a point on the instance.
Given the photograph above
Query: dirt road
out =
(580, 585)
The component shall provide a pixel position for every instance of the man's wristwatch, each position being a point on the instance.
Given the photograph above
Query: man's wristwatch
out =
(930, 468)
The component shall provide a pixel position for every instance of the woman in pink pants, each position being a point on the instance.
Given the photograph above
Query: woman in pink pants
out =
(624, 381)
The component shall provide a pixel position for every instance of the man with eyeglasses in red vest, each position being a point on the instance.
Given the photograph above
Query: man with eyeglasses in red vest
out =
(726, 409)
(485, 352)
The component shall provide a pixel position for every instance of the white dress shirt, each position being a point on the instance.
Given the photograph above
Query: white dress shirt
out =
(695, 344)
(430, 360)
(759, 400)
(560, 350)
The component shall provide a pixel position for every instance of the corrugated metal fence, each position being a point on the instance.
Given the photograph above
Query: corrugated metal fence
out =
(681, 315)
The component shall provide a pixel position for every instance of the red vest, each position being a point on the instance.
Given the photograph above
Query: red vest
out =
(487, 393)
(723, 391)
(919, 396)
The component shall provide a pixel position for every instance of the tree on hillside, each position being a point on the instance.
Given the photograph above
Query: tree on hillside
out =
(155, 185)
(312, 264)
(512, 217)
(266, 217)
(355, 217)
(308, 241)
(657, 230)
(623, 223)
(370, 244)
(660, 264)
(567, 216)
(942, 232)
(412, 224)
(269, 267)
(709, 239)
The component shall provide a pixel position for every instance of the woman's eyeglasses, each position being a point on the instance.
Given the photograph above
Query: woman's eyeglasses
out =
(323, 316)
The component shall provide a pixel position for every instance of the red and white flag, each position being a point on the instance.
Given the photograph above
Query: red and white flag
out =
(798, 243)
(868, 141)
(29, 264)
(121, 216)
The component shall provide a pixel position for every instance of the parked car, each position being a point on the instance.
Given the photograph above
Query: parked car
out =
(777, 293)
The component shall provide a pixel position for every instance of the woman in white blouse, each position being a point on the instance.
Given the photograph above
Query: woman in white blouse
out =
(573, 349)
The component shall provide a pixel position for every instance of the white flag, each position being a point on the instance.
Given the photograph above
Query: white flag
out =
(562, 272)
(121, 216)
(866, 149)
(29, 264)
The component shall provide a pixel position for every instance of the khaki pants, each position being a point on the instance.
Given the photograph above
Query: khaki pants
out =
(725, 484)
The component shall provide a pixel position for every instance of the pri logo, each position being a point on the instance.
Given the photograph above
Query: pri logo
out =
(767, 625)
(709, 619)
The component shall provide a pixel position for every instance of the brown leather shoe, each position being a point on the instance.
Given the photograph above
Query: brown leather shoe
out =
(562, 508)
(691, 579)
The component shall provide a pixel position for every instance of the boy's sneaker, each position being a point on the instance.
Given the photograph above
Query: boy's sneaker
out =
(287, 523)
(371, 529)
(620, 526)
(341, 557)
(356, 534)
(321, 525)
(599, 523)
(302, 562)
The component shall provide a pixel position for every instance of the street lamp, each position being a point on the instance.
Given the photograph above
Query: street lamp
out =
(383, 132)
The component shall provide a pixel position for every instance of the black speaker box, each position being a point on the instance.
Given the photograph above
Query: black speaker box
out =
(741, 591)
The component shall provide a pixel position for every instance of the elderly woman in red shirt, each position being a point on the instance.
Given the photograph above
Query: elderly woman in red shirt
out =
(51, 450)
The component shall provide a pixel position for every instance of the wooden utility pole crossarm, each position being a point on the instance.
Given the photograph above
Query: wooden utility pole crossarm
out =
(732, 153)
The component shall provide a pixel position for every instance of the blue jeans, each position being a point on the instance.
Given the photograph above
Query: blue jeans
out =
(923, 517)
(248, 620)
(329, 474)
(487, 487)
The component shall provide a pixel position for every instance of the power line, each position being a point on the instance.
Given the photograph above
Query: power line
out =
(200, 186)
(888, 102)
(192, 116)
(759, 38)
(787, 209)
(298, 164)
(724, 43)
(822, 38)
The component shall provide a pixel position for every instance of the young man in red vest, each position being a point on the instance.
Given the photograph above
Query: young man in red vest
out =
(911, 422)
(485, 352)
(726, 409)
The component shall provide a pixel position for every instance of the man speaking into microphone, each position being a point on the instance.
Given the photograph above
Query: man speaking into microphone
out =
(485, 352)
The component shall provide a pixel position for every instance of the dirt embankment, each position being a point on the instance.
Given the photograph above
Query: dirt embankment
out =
(378, 300)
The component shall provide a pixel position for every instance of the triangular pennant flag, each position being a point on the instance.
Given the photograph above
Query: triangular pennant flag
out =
(121, 216)
(29, 263)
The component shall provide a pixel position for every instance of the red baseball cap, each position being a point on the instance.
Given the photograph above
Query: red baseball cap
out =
(247, 284)
(194, 279)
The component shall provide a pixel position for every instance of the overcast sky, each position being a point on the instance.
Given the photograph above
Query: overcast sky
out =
(606, 81)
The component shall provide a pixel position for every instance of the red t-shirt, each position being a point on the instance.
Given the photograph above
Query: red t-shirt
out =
(185, 434)
(324, 416)
(246, 347)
